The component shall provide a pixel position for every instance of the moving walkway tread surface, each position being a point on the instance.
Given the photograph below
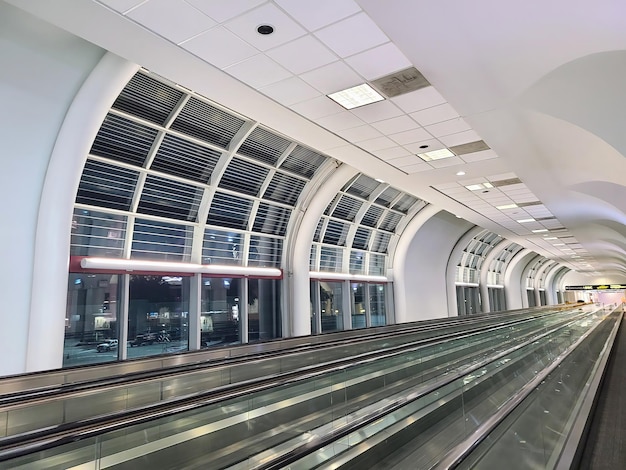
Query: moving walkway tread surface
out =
(341, 391)
(605, 448)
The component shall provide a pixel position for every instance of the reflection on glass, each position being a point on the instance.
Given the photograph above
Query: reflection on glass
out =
(158, 313)
(331, 309)
(219, 318)
(91, 319)
(358, 305)
(378, 311)
(264, 320)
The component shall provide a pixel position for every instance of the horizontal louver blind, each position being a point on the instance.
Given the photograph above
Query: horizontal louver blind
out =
(105, 185)
(229, 211)
(336, 233)
(318, 230)
(363, 186)
(243, 177)
(347, 208)
(285, 189)
(265, 251)
(161, 241)
(381, 242)
(262, 145)
(357, 265)
(361, 238)
(331, 259)
(123, 140)
(387, 197)
(148, 98)
(185, 159)
(376, 265)
(405, 203)
(205, 122)
(271, 219)
(221, 247)
(303, 161)
(171, 199)
(390, 221)
(97, 234)
(372, 216)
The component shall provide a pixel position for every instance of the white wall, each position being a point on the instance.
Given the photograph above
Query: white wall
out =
(422, 268)
(42, 70)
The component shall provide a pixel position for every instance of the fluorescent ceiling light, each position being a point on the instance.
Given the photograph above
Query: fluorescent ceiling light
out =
(540, 230)
(479, 186)
(436, 155)
(506, 206)
(356, 96)
(558, 244)
(551, 238)
(523, 221)
(460, 173)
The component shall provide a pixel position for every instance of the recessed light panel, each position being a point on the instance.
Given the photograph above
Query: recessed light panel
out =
(356, 96)
(540, 230)
(524, 221)
(479, 186)
(436, 155)
(506, 206)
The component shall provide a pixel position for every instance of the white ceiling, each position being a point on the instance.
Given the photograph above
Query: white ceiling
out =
(539, 82)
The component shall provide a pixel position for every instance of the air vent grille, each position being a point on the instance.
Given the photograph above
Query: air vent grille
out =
(148, 98)
(506, 182)
(402, 82)
(205, 122)
(470, 147)
(123, 140)
(185, 159)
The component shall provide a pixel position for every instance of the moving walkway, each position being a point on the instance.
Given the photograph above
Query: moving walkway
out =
(31, 409)
(265, 423)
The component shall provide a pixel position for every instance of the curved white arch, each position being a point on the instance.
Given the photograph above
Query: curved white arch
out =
(484, 272)
(52, 239)
(298, 276)
(453, 262)
(513, 279)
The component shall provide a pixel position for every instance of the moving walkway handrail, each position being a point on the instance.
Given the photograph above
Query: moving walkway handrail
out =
(48, 393)
(36, 441)
(72, 376)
